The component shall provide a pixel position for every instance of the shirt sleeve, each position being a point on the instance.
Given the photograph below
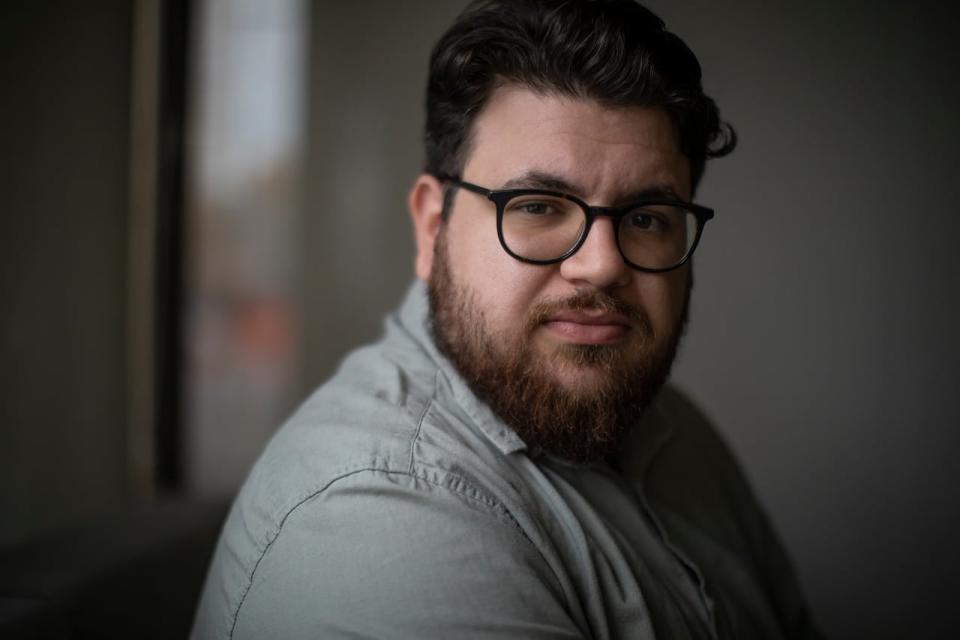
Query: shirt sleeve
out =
(381, 555)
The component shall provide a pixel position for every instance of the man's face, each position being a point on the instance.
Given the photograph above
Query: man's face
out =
(568, 353)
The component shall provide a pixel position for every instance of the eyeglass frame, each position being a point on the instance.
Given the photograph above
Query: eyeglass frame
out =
(500, 197)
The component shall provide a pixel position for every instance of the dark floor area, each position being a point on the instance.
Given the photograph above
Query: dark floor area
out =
(135, 573)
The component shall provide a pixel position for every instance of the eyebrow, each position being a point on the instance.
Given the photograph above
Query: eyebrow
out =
(535, 179)
(541, 180)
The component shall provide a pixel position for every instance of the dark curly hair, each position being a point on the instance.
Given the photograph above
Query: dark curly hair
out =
(615, 52)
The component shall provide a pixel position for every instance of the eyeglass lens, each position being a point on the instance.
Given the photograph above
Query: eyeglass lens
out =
(543, 228)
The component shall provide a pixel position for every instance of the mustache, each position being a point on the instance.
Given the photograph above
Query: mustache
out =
(584, 300)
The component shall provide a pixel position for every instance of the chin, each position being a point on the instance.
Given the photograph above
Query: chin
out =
(583, 387)
(574, 375)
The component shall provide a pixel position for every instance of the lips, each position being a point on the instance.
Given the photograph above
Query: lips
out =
(588, 326)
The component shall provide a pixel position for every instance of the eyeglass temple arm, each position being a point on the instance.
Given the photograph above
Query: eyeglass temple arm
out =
(457, 182)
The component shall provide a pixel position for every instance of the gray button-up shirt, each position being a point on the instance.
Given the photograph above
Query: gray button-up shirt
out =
(395, 504)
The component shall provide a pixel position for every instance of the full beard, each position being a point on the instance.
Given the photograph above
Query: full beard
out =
(517, 382)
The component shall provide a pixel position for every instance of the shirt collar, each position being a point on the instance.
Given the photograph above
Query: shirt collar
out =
(414, 317)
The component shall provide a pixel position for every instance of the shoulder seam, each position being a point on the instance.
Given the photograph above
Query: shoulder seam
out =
(456, 487)
(236, 614)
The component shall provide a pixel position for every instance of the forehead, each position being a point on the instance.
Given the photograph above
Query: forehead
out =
(604, 152)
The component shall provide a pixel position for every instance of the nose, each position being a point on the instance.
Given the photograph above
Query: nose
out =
(598, 261)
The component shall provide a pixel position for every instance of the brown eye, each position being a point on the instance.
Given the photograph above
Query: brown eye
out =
(535, 207)
(646, 221)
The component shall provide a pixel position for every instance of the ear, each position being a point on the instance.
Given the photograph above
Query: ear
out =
(426, 205)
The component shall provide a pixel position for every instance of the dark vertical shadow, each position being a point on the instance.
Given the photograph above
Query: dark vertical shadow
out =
(168, 336)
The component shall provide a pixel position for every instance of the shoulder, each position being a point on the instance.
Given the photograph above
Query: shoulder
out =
(360, 422)
(381, 554)
(364, 419)
(363, 464)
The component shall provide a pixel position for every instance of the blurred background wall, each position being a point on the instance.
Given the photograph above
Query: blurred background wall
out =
(64, 119)
(823, 338)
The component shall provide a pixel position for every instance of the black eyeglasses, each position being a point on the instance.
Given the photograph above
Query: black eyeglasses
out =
(544, 227)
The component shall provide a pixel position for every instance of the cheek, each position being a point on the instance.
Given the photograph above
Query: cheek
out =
(502, 286)
(663, 296)
(507, 289)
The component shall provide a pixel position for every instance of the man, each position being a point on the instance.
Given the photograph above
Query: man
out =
(504, 462)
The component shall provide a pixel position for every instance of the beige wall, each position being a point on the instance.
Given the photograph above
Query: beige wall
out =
(64, 125)
(369, 66)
